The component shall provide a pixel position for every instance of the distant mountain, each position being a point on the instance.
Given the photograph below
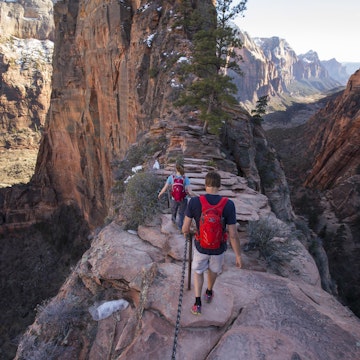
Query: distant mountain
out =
(271, 67)
(351, 67)
(337, 70)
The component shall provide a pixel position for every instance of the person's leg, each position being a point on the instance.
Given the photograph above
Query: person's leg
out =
(198, 283)
(182, 208)
(174, 206)
(215, 266)
(200, 264)
(211, 278)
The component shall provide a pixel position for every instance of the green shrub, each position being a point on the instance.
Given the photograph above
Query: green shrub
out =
(153, 72)
(136, 155)
(140, 201)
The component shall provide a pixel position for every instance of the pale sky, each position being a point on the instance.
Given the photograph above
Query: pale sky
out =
(329, 27)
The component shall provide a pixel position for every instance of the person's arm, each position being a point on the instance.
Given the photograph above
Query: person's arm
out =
(189, 191)
(163, 189)
(235, 243)
(188, 188)
(186, 226)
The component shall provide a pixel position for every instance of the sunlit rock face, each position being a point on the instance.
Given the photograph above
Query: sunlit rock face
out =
(27, 19)
(110, 82)
(26, 49)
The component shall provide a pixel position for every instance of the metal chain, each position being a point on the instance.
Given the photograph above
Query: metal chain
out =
(180, 300)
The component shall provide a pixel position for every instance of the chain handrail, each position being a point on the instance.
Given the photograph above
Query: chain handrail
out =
(177, 324)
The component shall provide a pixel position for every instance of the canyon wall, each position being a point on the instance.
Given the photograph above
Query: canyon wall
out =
(322, 163)
(335, 172)
(336, 146)
(104, 93)
(26, 48)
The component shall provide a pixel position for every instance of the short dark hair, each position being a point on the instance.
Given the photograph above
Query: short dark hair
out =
(213, 179)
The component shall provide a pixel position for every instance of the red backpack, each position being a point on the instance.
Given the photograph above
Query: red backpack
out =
(178, 188)
(211, 227)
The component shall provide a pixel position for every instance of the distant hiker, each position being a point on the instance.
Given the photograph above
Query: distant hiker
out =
(212, 213)
(180, 188)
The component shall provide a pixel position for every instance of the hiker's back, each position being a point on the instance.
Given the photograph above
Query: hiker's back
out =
(211, 225)
(178, 188)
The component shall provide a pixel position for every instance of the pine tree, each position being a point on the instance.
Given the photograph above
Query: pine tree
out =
(215, 41)
(260, 108)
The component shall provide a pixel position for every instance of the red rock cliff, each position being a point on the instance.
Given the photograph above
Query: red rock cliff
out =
(104, 92)
(336, 146)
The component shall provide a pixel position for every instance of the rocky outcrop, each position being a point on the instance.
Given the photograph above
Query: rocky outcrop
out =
(260, 74)
(25, 87)
(114, 82)
(241, 320)
(257, 161)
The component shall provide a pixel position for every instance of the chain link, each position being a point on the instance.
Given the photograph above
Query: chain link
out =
(188, 238)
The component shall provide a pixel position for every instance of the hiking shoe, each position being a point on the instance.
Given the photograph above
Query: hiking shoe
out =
(208, 298)
(196, 309)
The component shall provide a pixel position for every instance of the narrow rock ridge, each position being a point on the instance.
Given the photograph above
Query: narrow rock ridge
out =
(253, 312)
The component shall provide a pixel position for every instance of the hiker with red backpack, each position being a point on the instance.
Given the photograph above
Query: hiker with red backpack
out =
(180, 188)
(213, 214)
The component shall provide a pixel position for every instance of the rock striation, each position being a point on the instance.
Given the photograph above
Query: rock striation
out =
(27, 19)
(336, 148)
(102, 98)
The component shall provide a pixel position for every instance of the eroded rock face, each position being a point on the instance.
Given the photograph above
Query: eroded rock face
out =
(258, 162)
(337, 145)
(26, 48)
(104, 93)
